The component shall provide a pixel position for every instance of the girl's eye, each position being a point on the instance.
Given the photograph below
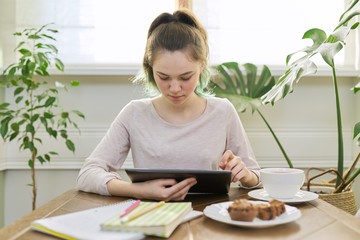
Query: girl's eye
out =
(185, 78)
(164, 78)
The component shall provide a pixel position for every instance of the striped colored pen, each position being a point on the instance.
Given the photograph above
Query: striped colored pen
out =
(130, 208)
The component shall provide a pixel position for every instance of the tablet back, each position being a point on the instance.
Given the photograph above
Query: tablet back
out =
(208, 181)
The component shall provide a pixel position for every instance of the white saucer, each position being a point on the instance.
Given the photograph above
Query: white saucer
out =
(301, 196)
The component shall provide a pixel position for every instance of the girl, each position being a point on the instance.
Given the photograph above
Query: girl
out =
(183, 126)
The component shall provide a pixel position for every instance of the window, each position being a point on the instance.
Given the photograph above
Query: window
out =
(112, 33)
(264, 31)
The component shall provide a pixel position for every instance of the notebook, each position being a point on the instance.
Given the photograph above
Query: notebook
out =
(208, 181)
(85, 224)
(161, 221)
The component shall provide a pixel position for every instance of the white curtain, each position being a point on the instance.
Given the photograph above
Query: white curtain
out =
(112, 33)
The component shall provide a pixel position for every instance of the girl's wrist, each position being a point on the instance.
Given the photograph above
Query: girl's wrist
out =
(250, 179)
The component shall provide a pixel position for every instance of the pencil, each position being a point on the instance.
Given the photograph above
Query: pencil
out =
(130, 217)
(130, 208)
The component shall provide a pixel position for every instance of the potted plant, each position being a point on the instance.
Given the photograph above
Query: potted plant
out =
(327, 47)
(34, 108)
(243, 87)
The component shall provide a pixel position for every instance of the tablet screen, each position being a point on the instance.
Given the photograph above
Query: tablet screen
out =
(208, 181)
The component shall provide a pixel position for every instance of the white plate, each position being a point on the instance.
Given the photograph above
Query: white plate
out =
(301, 196)
(219, 213)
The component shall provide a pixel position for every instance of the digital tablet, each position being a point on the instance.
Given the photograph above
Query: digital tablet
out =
(208, 181)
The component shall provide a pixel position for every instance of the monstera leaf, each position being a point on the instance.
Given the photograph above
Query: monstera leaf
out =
(327, 47)
(242, 91)
(244, 87)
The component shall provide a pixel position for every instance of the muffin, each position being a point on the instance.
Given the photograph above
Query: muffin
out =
(266, 211)
(242, 210)
(278, 205)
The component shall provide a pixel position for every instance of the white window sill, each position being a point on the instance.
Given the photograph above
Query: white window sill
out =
(112, 70)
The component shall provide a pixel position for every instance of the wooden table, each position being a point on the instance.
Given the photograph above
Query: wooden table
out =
(319, 220)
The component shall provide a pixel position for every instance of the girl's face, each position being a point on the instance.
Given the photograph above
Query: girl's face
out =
(176, 75)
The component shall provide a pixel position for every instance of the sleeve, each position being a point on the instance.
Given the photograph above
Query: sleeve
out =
(108, 156)
(238, 142)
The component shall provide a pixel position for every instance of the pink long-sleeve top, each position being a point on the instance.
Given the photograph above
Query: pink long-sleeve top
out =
(155, 143)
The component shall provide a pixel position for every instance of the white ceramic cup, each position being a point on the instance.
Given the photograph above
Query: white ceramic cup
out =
(282, 182)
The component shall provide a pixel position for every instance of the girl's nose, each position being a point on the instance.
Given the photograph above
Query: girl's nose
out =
(175, 85)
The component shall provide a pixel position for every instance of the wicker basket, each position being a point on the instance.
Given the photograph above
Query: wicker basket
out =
(344, 200)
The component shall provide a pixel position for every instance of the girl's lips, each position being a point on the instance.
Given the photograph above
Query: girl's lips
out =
(176, 97)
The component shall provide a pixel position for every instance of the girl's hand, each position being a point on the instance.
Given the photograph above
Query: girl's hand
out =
(239, 172)
(165, 189)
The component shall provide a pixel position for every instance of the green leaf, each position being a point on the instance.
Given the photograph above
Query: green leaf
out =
(30, 145)
(31, 66)
(34, 36)
(4, 128)
(79, 114)
(18, 91)
(357, 132)
(43, 121)
(26, 116)
(25, 52)
(41, 59)
(74, 83)
(35, 117)
(356, 88)
(19, 99)
(62, 122)
(52, 48)
(242, 92)
(11, 74)
(59, 64)
(54, 134)
(48, 115)
(4, 105)
(48, 36)
(42, 72)
(15, 127)
(64, 114)
(50, 101)
(20, 44)
(52, 30)
(64, 134)
(13, 136)
(355, 25)
(70, 145)
(30, 128)
(31, 164)
(328, 52)
(41, 159)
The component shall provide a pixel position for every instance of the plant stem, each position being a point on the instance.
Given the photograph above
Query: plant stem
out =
(277, 140)
(32, 140)
(349, 181)
(33, 186)
(340, 165)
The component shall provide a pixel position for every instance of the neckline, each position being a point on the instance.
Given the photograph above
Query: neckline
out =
(156, 114)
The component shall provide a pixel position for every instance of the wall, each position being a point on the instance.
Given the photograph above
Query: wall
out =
(2, 194)
(304, 122)
(2, 174)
